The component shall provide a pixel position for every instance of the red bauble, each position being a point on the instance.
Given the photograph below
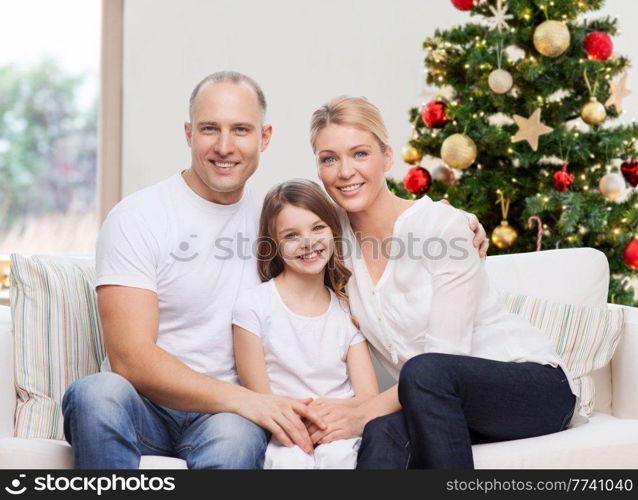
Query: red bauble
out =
(631, 254)
(598, 45)
(417, 181)
(629, 171)
(463, 4)
(434, 115)
(563, 179)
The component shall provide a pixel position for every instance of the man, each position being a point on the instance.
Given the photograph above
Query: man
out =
(170, 261)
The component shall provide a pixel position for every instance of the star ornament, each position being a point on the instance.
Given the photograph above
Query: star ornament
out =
(530, 129)
(500, 16)
(619, 91)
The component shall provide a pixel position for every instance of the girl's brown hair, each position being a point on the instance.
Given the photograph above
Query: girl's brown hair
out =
(306, 194)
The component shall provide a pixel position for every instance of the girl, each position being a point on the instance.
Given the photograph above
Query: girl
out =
(293, 334)
(468, 371)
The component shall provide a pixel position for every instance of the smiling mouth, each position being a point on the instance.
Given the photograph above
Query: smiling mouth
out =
(350, 188)
(223, 165)
(310, 255)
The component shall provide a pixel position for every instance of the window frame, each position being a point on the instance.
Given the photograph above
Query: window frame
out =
(109, 167)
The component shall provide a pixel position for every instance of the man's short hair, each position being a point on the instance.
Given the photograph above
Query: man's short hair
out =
(229, 76)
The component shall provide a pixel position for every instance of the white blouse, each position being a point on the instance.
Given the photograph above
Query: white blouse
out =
(434, 296)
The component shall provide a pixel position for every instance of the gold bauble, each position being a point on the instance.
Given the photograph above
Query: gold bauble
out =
(593, 112)
(458, 151)
(411, 154)
(612, 186)
(500, 81)
(552, 38)
(504, 235)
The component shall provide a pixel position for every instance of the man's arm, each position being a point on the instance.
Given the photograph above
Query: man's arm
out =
(130, 320)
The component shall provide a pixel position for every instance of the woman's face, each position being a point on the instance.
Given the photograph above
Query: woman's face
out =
(351, 165)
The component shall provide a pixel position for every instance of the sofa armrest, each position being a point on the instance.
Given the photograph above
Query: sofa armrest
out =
(624, 368)
(7, 386)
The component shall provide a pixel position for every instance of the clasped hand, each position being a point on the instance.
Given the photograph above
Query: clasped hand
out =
(286, 418)
(342, 420)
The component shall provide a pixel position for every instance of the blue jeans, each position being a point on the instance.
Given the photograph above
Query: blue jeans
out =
(110, 425)
(450, 402)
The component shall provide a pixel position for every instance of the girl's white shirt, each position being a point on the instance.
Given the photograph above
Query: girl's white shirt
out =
(305, 356)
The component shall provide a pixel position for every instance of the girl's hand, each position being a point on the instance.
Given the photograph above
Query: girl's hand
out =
(282, 416)
(343, 421)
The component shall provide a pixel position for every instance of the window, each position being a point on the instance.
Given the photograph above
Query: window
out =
(49, 98)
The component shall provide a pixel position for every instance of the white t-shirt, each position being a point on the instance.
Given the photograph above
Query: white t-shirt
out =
(196, 255)
(305, 356)
(434, 296)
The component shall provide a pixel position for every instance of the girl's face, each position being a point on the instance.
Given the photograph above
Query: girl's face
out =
(306, 243)
(351, 165)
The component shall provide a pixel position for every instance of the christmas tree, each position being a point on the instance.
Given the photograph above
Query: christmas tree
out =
(528, 129)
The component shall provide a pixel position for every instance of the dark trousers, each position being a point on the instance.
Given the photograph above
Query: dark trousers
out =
(450, 402)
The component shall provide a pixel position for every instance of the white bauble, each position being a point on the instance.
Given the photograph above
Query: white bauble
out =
(612, 186)
(500, 81)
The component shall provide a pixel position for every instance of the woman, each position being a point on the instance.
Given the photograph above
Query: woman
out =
(468, 371)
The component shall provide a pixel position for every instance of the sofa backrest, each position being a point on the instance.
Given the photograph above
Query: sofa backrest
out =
(570, 275)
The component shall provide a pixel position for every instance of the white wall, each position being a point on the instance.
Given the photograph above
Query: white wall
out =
(302, 53)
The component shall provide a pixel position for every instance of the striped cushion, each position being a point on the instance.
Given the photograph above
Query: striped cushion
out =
(584, 337)
(57, 337)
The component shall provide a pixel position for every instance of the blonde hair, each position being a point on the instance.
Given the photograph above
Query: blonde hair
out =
(306, 194)
(352, 111)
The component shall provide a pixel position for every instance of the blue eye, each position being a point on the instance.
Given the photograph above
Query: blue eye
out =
(360, 154)
(290, 236)
(319, 227)
(241, 130)
(328, 159)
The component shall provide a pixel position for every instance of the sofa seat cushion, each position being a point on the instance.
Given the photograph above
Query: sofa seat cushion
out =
(21, 453)
(605, 442)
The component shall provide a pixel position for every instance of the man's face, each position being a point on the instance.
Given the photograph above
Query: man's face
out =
(226, 138)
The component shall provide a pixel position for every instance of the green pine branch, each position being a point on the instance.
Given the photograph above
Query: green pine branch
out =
(463, 57)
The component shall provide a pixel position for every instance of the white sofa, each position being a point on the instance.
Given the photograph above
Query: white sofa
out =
(579, 276)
